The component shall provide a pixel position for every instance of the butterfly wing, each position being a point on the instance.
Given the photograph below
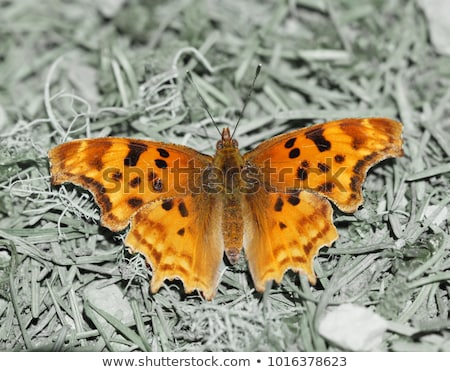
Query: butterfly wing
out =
(288, 220)
(126, 174)
(285, 231)
(157, 187)
(330, 159)
(181, 238)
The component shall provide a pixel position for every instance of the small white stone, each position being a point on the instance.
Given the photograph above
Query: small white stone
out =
(354, 328)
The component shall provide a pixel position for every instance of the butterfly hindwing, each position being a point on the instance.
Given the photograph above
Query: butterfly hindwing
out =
(181, 238)
(285, 231)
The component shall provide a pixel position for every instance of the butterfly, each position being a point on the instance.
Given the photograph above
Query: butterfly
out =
(187, 210)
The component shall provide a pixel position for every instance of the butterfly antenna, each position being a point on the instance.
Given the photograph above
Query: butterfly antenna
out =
(202, 100)
(252, 88)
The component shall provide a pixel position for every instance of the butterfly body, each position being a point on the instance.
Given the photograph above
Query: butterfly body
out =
(186, 209)
(229, 163)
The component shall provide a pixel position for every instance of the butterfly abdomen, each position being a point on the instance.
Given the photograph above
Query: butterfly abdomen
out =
(232, 227)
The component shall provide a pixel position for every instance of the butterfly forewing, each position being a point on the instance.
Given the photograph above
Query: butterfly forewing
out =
(126, 174)
(330, 159)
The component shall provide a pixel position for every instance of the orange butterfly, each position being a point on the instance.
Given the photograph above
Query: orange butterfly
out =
(186, 208)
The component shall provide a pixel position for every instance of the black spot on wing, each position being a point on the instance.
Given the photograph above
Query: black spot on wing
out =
(163, 153)
(302, 173)
(316, 135)
(294, 153)
(157, 185)
(134, 153)
(117, 176)
(160, 163)
(183, 210)
(278, 205)
(339, 158)
(167, 204)
(324, 168)
(290, 142)
(135, 202)
(326, 187)
(293, 200)
(135, 182)
(181, 231)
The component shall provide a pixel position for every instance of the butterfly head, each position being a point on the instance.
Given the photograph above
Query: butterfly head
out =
(227, 140)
